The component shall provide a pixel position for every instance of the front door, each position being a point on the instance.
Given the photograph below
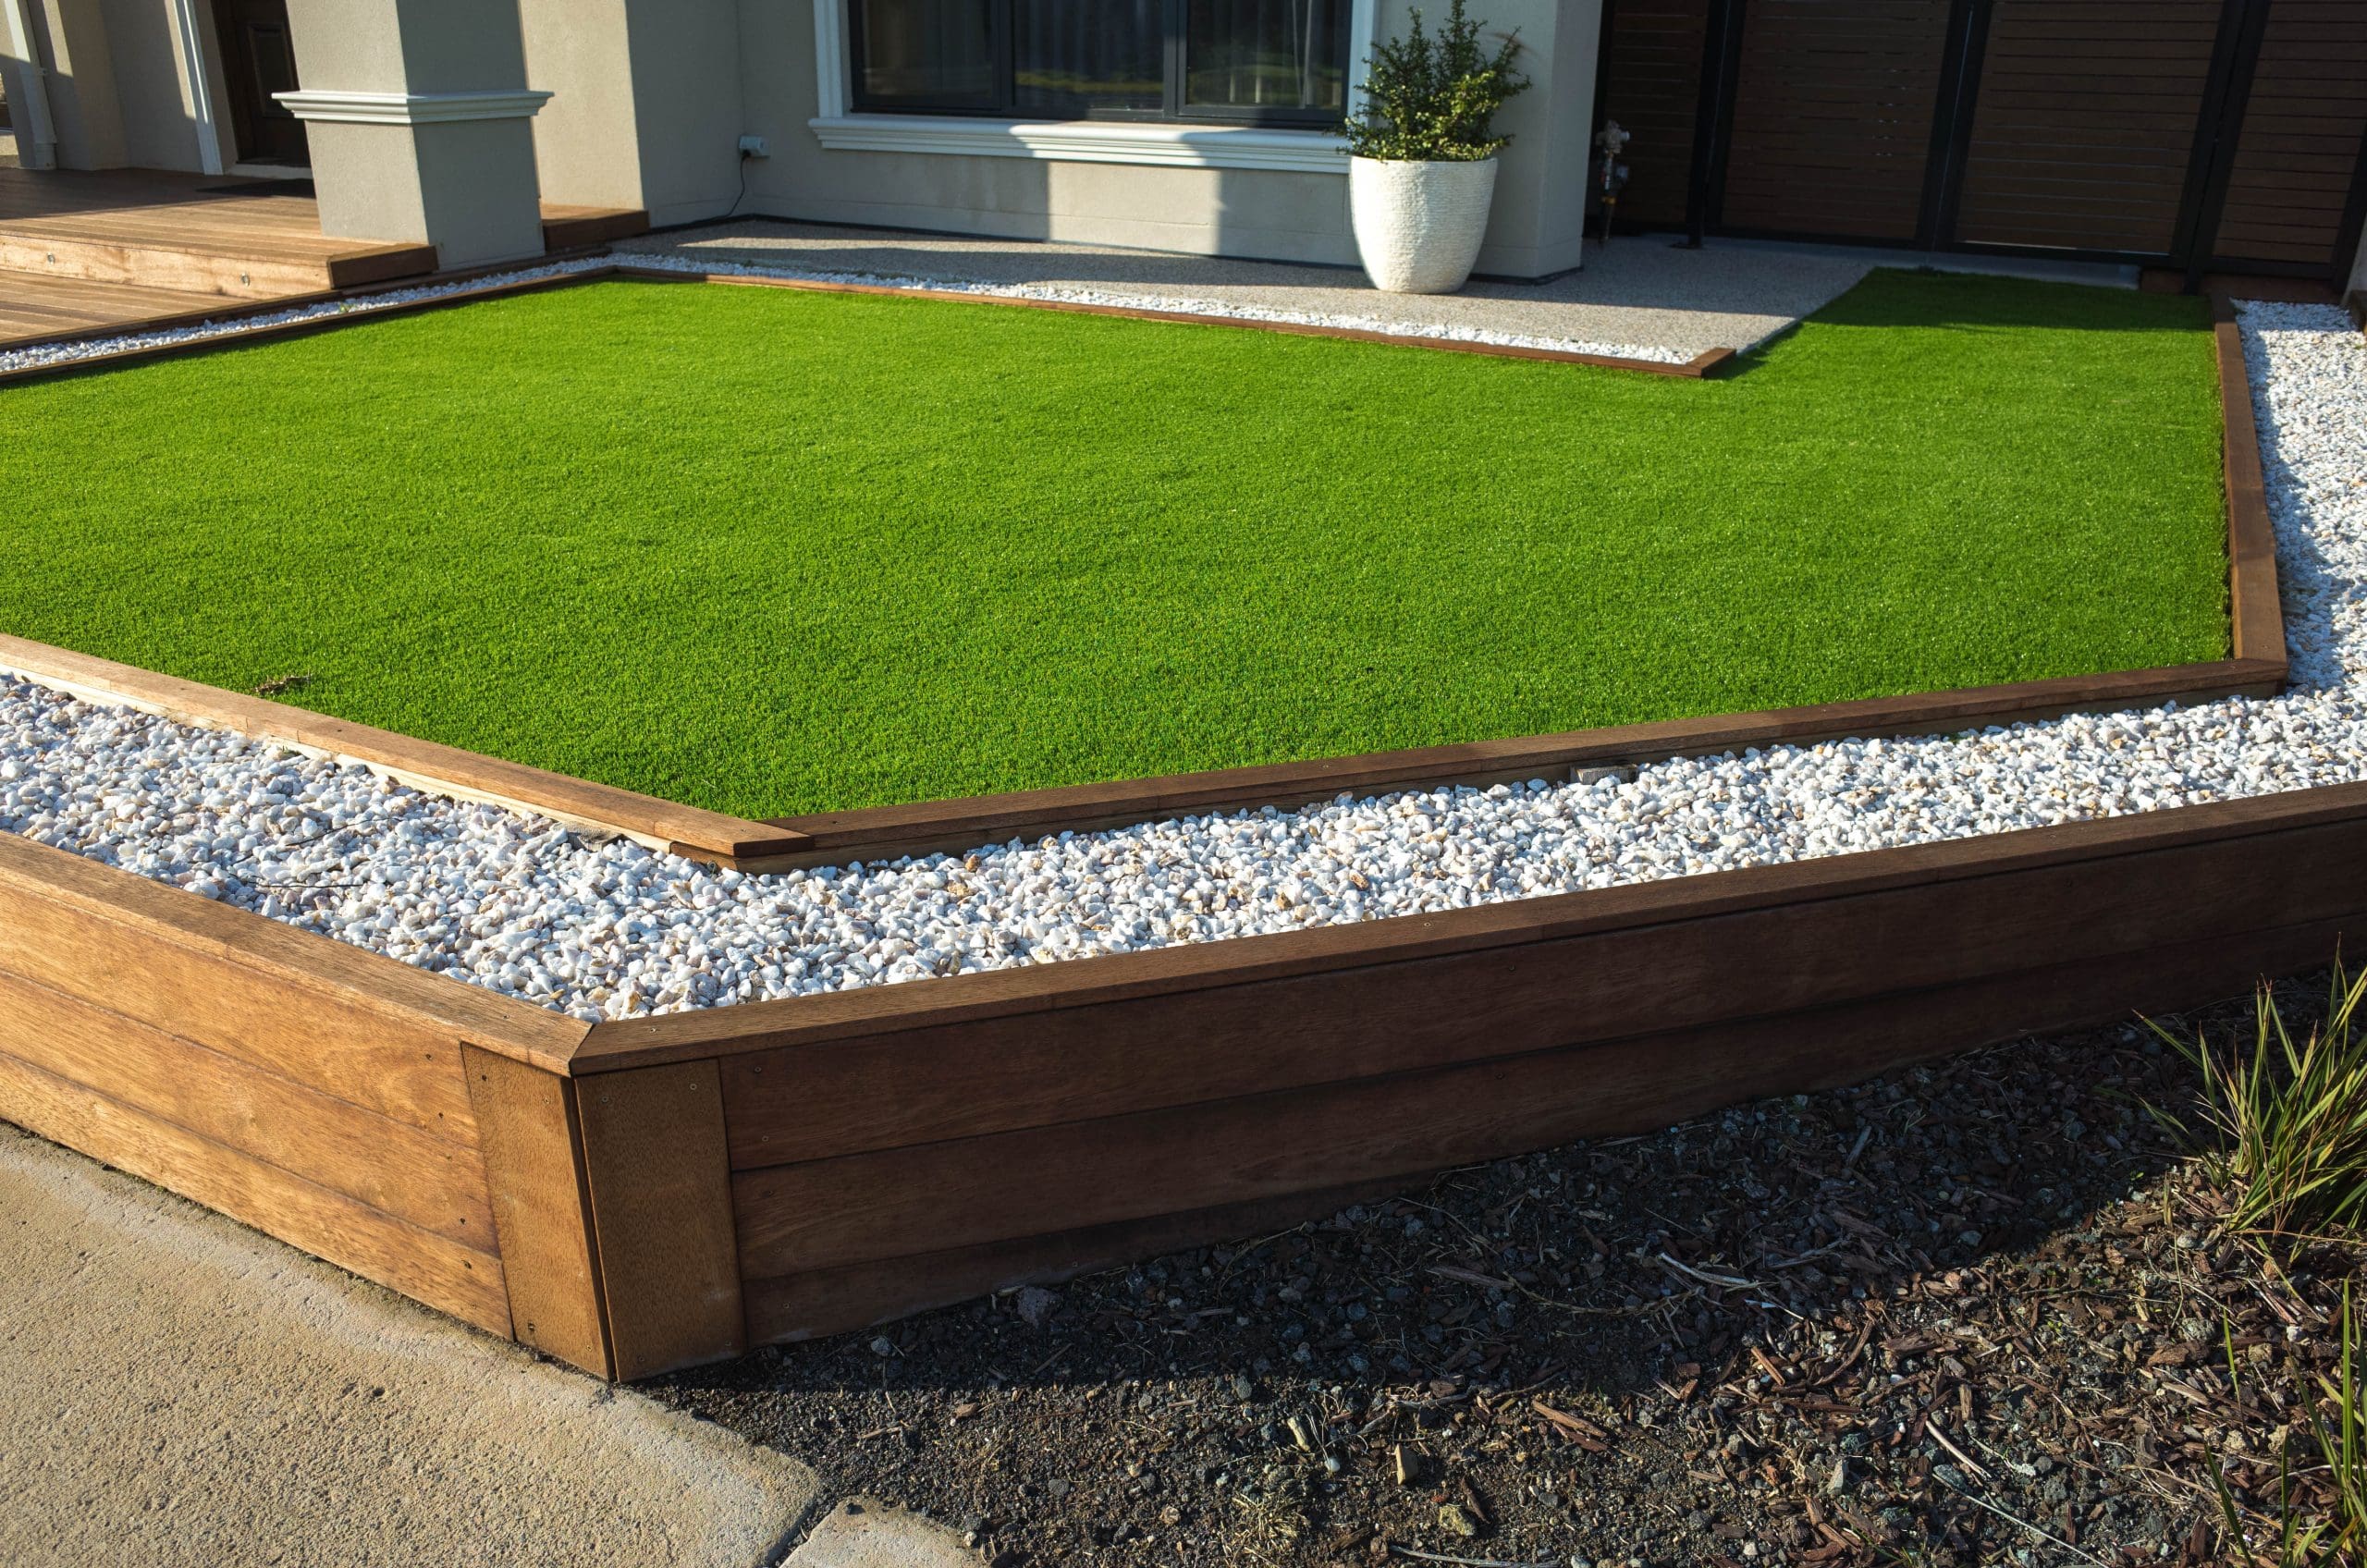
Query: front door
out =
(259, 61)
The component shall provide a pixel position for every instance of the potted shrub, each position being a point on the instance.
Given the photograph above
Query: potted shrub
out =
(1422, 164)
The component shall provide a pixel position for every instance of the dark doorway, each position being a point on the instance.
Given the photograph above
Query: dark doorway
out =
(259, 60)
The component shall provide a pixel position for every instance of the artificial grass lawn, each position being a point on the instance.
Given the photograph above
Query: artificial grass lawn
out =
(773, 552)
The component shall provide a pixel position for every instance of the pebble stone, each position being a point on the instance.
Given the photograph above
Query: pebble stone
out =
(63, 353)
(1185, 304)
(521, 905)
(36, 354)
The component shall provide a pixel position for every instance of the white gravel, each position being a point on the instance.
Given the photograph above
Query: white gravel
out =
(517, 904)
(1180, 304)
(66, 353)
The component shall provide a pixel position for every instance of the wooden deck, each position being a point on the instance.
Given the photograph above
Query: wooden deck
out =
(127, 247)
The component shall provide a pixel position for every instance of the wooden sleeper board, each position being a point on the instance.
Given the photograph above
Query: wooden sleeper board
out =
(640, 1196)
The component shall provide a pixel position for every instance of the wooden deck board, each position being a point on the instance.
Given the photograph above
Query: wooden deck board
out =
(36, 305)
(126, 247)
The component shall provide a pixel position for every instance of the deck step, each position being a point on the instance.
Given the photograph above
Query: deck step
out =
(572, 228)
(200, 269)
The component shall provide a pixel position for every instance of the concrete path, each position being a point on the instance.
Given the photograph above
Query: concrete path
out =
(860, 1533)
(1641, 291)
(176, 1389)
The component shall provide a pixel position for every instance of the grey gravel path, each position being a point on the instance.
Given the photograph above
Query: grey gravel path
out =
(1640, 290)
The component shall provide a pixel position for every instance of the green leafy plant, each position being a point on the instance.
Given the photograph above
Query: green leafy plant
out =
(2283, 1125)
(2337, 1533)
(1430, 99)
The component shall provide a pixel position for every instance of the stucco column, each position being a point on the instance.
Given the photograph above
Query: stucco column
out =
(419, 123)
(1537, 226)
(85, 115)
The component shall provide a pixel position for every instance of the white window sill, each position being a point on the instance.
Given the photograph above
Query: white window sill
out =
(1087, 141)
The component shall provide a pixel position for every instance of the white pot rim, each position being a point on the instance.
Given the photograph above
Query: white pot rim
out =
(1359, 157)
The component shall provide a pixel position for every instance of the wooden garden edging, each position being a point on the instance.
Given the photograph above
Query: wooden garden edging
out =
(469, 775)
(639, 1195)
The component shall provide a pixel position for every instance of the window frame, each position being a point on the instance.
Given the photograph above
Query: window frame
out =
(1174, 23)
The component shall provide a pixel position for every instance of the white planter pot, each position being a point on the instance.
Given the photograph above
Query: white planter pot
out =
(1418, 225)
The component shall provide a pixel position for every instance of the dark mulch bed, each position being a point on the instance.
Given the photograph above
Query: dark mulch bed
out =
(1972, 1313)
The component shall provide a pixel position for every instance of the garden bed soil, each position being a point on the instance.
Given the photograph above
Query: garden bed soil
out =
(1967, 1312)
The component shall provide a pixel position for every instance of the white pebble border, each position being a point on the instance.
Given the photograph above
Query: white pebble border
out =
(34, 354)
(1178, 304)
(66, 353)
(607, 930)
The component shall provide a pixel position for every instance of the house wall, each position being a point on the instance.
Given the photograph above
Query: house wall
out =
(468, 185)
(587, 150)
(116, 88)
(644, 108)
(83, 104)
(158, 132)
(1230, 212)
(686, 89)
(1287, 215)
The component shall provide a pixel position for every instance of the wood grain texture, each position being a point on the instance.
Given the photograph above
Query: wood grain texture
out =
(162, 228)
(1652, 87)
(534, 1159)
(660, 1194)
(2049, 162)
(837, 1301)
(814, 1101)
(1831, 116)
(266, 331)
(427, 1268)
(2298, 151)
(569, 228)
(2253, 595)
(1044, 988)
(867, 1209)
(444, 769)
(355, 1024)
(435, 1184)
(35, 309)
(932, 826)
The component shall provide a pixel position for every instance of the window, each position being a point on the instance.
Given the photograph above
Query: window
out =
(1257, 62)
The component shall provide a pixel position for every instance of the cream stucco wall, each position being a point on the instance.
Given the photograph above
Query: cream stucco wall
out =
(645, 109)
(1287, 215)
(1237, 212)
(83, 103)
(144, 40)
(585, 146)
(118, 93)
(468, 187)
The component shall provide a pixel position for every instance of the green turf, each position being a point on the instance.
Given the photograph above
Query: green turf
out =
(774, 552)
